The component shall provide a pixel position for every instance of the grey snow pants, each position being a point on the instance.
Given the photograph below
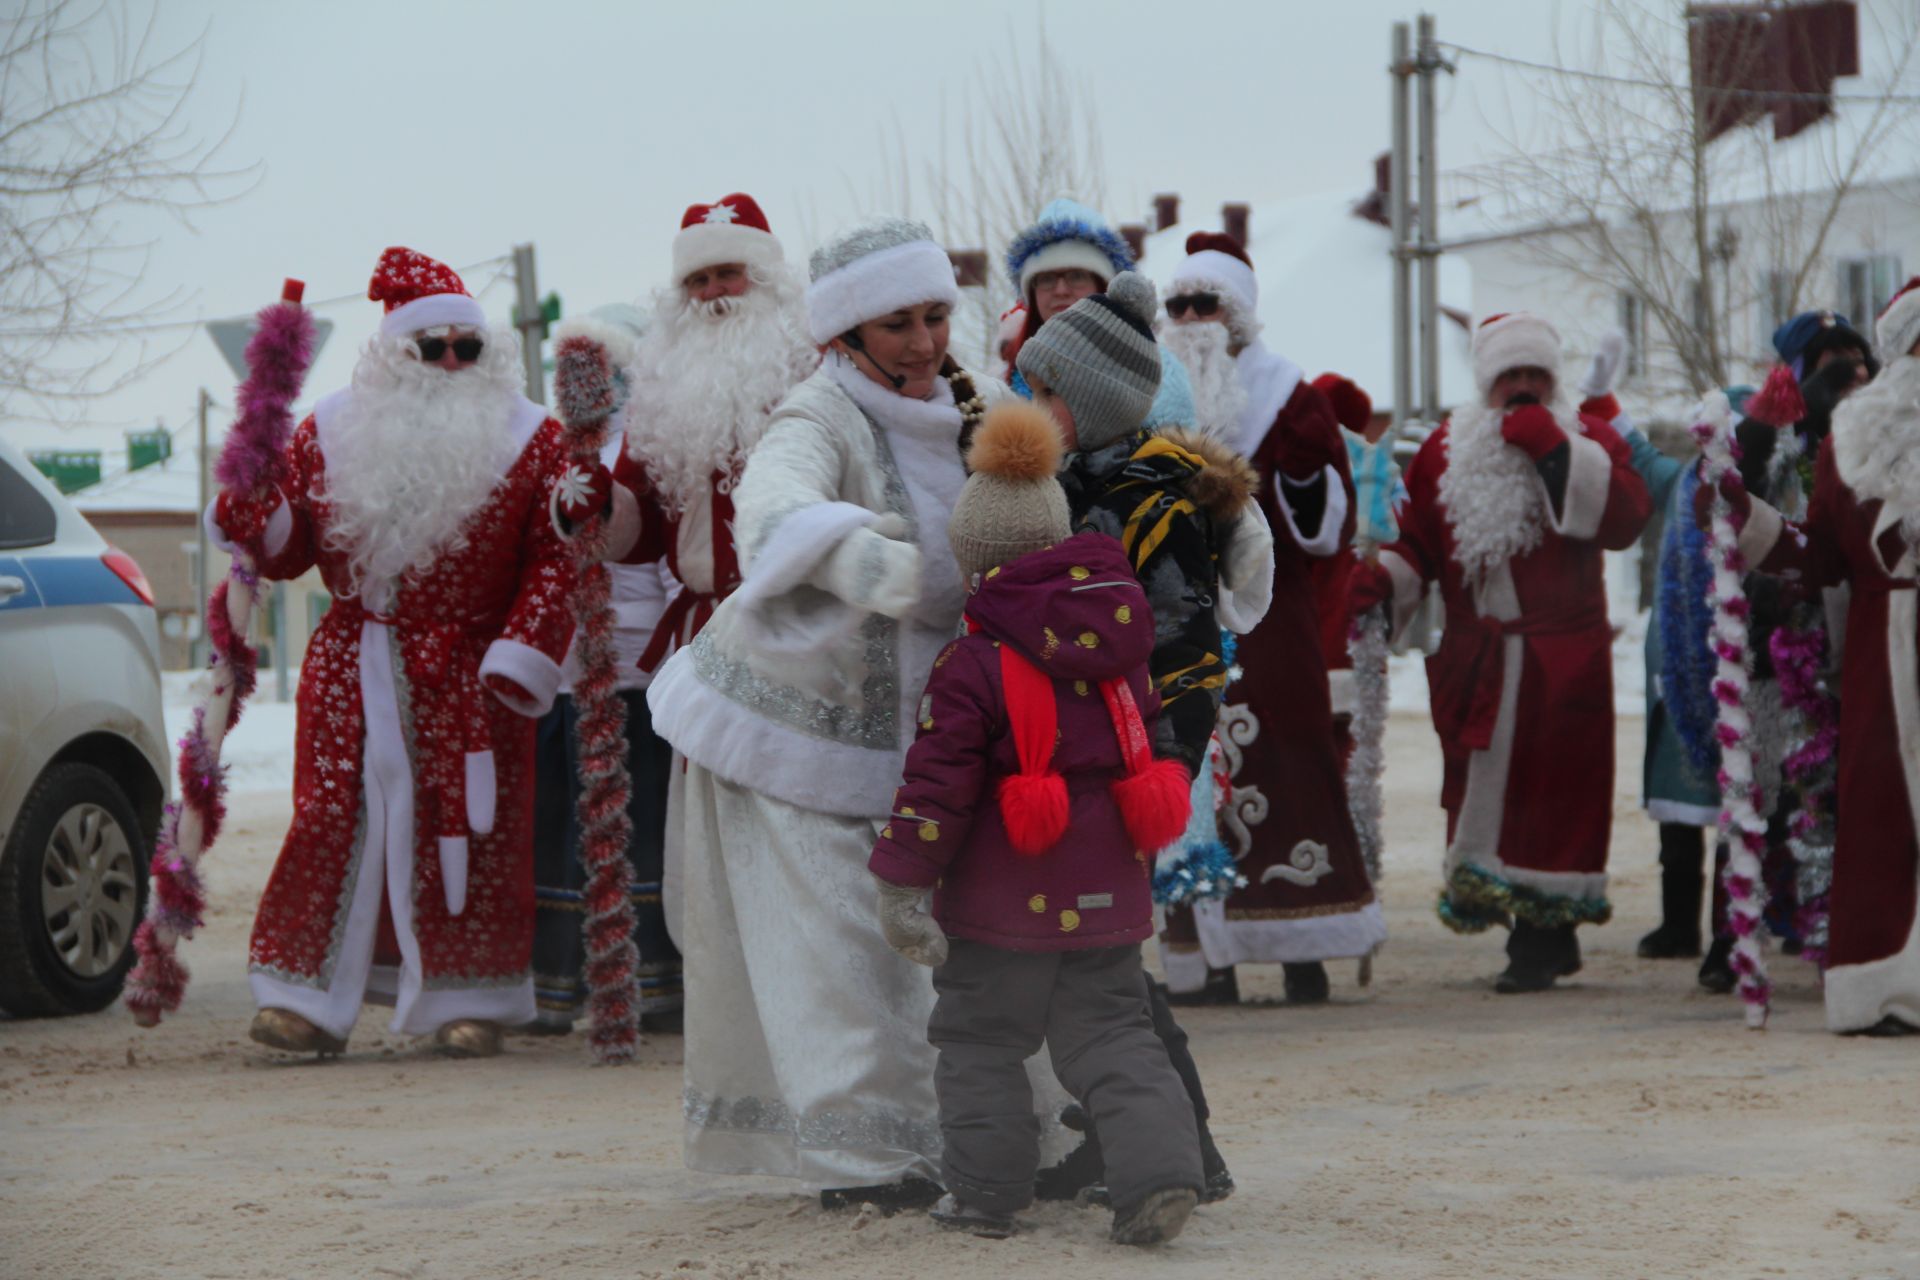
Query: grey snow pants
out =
(995, 1008)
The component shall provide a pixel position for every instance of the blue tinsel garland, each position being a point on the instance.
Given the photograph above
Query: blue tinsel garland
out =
(1685, 615)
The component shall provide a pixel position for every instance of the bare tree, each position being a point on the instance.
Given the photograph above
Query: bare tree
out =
(1615, 175)
(1025, 135)
(94, 132)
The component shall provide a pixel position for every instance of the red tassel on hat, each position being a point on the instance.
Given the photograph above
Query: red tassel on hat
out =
(1033, 802)
(1778, 402)
(1156, 796)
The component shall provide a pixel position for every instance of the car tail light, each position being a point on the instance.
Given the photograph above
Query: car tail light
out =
(128, 571)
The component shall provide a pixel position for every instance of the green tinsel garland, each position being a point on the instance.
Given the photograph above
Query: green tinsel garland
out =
(1474, 900)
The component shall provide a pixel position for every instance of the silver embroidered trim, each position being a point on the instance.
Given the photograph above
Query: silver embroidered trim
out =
(820, 1131)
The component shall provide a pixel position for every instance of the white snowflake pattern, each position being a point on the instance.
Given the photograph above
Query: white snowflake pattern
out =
(722, 213)
(576, 486)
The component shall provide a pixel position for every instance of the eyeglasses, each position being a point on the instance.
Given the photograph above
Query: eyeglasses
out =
(1067, 278)
(465, 350)
(1203, 304)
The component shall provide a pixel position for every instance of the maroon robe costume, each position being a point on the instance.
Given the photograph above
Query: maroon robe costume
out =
(407, 872)
(1522, 686)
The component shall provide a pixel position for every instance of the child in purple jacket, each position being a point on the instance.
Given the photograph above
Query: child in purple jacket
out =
(1030, 805)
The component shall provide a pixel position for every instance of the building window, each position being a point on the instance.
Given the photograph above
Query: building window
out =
(1776, 303)
(1633, 323)
(1867, 284)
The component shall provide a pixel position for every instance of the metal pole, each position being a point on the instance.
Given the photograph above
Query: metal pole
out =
(532, 327)
(1400, 218)
(1429, 231)
(198, 648)
(282, 641)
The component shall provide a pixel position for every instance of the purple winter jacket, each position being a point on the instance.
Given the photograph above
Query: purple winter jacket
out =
(1077, 613)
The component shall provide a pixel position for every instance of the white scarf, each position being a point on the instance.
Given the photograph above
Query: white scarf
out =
(1269, 379)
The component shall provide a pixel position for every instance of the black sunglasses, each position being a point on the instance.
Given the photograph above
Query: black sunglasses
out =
(466, 350)
(1203, 304)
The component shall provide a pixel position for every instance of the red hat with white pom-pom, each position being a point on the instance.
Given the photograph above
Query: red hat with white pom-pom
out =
(1899, 325)
(731, 229)
(421, 293)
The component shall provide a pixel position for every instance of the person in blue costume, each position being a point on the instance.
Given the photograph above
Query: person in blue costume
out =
(1070, 253)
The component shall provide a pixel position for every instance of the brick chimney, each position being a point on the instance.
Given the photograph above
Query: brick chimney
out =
(1135, 234)
(1166, 210)
(969, 266)
(1233, 221)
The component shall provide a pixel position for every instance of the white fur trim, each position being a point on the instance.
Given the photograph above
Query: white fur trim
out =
(1860, 995)
(620, 342)
(1899, 327)
(482, 792)
(1760, 534)
(1516, 341)
(1209, 268)
(1408, 588)
(1227, 942)
(453, 872)
(432, 311)
(879, 284)
(1246, 577)
(1064, 255)
(709, 244)
(1186, 971)
(1691, 815)
(1589, 481)
(778, 625)
(1343, 691)
(1324, 540)
(1876, 439)
(1269, 379)
(527, 667)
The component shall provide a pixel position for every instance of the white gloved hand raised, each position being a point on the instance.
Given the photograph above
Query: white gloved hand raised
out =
(907, 929)
(1609, 358)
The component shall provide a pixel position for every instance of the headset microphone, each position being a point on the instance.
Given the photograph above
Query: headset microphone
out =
(852, 339)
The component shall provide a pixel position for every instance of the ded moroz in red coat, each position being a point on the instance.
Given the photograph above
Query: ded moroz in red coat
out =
(1863, 529)
(1287, 823)
(1522, 686)
(412, 791)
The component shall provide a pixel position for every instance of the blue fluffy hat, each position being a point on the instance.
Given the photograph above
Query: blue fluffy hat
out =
(1067, 235)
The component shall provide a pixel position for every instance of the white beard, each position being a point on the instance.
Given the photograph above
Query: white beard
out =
(414, 454)
(1876, 442)
(706, 378)
(1492, 493)
(1218, 398)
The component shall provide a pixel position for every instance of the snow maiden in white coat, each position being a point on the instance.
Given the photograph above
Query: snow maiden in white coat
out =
(806, 1051)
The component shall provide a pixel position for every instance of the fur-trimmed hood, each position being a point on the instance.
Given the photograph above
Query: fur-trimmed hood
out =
(1224, 482)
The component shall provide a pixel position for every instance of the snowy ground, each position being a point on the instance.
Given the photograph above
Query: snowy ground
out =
(1626, 1126)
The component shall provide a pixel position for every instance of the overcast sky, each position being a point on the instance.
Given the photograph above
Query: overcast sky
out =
(586, 128)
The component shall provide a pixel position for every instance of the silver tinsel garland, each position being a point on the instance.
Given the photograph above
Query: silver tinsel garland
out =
(1367, 646)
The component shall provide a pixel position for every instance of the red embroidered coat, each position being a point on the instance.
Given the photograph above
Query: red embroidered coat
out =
(1522, 689)
(412, 817)
(696, 541)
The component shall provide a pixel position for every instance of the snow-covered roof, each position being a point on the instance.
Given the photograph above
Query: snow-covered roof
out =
(169, 485)
(1326, 291)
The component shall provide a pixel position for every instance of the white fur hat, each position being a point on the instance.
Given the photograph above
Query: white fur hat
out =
(874, 270)
(1514, 340)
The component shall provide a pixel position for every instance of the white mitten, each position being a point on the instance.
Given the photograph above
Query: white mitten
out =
(1246, 572)
(908, 929)
(874, 572)
(1609, 357)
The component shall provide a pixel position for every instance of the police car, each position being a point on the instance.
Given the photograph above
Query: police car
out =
(83, 756)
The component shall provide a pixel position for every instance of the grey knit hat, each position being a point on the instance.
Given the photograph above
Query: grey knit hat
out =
(1099, 355)
(873, 270)
(1012, 503)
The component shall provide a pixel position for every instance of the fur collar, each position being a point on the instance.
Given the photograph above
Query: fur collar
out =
(1876, 441)
(1491, 491)
(1225, 482)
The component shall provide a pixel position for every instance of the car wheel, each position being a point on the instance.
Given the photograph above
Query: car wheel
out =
(73, 888)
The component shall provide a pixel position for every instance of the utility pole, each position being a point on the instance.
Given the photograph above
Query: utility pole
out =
(1429, 62)
(200, 568)
(531, 323)
(1400, 205)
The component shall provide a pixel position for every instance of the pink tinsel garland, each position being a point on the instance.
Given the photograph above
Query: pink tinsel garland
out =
(583, 386)
(250, 464)
(1797, 659)
(1740, 820)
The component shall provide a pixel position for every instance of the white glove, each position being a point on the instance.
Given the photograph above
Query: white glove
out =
(871, 571)
(1609, 357)
(908, 929)
(1248, 551)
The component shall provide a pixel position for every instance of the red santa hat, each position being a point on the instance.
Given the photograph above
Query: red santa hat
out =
(731, 229)
(1899, 325)
(1514, 340)
(420, 293)
(1352, 407)
(1216, 263)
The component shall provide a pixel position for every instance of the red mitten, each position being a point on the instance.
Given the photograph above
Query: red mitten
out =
(244, 519)
(508, 689)
(582, 493)
(1532, 430)
(1304, 448)
(1732, 490)
(1368, 587)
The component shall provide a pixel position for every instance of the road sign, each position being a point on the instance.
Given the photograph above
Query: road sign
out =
(232, 336)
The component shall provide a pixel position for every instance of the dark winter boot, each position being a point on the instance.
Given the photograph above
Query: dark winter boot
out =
(1565, 944)
(1213, 1165)
(1155, 1220)
(888, 1197)
(1716, 971)
(1534, 958)
(1682, 850)
(1305, 983)
(957, 1215)
(1222, 987)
